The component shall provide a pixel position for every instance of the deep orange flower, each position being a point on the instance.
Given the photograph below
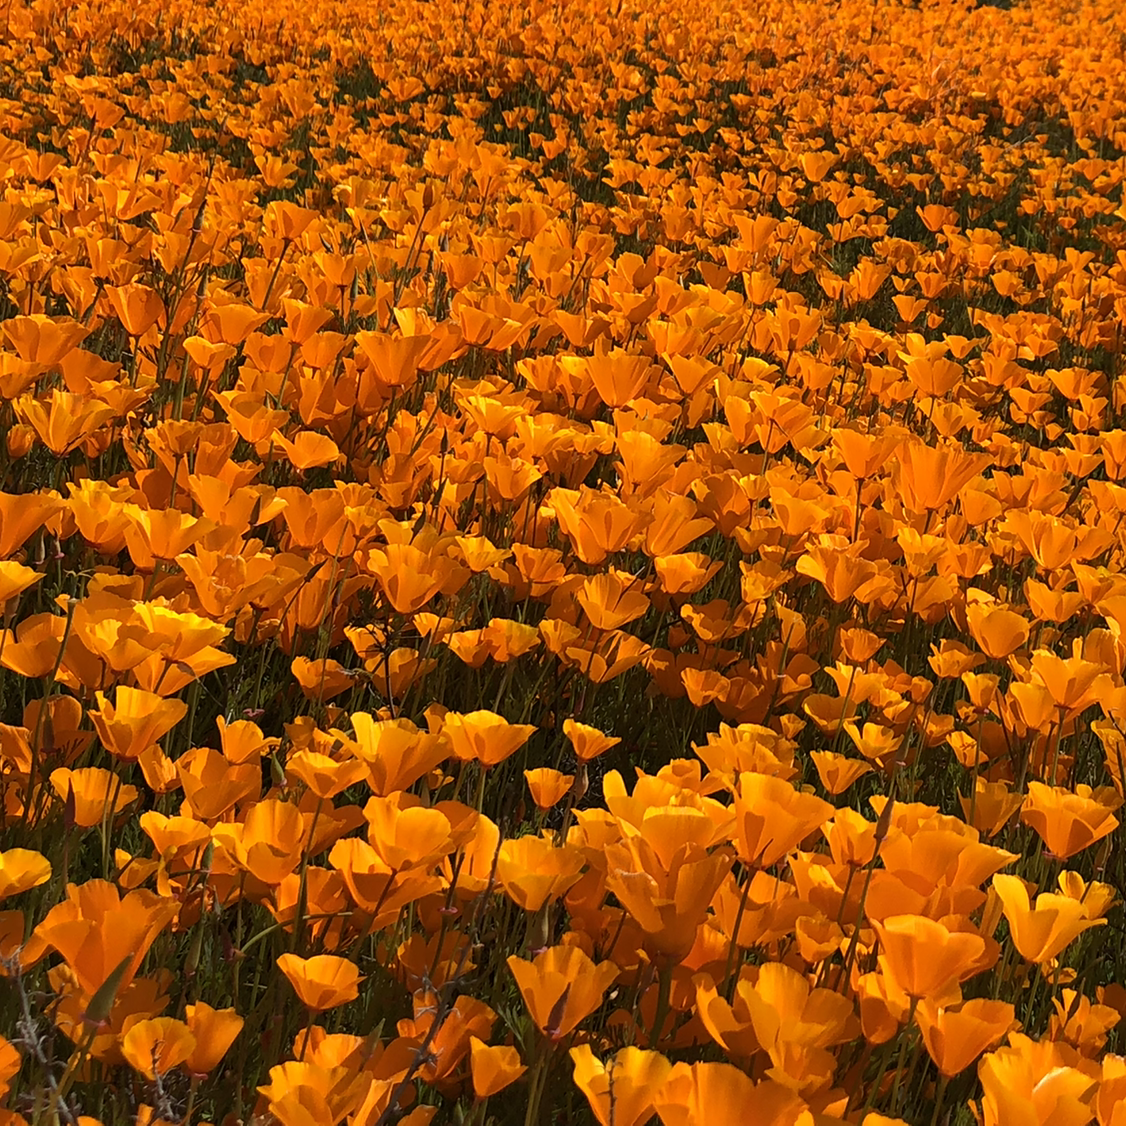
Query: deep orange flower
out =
(1029, 1083)
(135, 720)
(138, 307)
(15, 578)
(561, 987)
(548, 787)
(928, 477)
(587, 742)
(1041, 931)
(325, 776)
(154, 1047)
(925, 958)
(9, 1064)
(1068, 821)
(956, 1035)
(396, 752)
(22, 869)
(722, 1095)
(321, 982)
(98, 932)
(533, 870)
(302, 1093)
(93, 793)
(772, 818)
(215, 1030)
(484, 736)
(621, 1090)
(21, 515)
(493, 1068)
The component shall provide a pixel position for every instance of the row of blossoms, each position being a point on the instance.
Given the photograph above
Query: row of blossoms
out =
(562, 563)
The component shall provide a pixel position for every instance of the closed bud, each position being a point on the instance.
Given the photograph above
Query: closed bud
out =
(21, 438)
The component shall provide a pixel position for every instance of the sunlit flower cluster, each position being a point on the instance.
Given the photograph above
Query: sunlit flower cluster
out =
(562, 563)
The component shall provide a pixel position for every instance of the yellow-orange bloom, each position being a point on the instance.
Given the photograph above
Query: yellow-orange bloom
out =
(321, 982)
(621, 1090)
(1068, 821)
(485, 736)
(1040, 932)
(493, 1068)
(925, 958)
(154, 1047)
(561, 987)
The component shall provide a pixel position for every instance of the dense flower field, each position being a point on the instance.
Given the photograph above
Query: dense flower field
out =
(562, 562)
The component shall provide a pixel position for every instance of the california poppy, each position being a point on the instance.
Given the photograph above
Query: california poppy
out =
(484, 736)
(955, 1035)
(621, 1089)
(722, 1095)
(323, 981)
(154, 1047)
(924, 957)
(547, 786)
(493, 1067)
(1068, 821)
(1041, 930)
(533, 870)
(561, 987)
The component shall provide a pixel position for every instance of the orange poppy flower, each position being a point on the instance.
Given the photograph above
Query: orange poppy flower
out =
(990, 806)
(21, 515)
(154, 1047)
(212, 785)
(325, 776)
(1067, 821)
(1040, 931)
(93, 793)
(484, 736)
(44, 340)
(667, 886)
(9, 1064)
(772, 818)
(997, 631)
(587, 742)
(322, 680)
(408, 836)
(135, 721)
(722, 1095)
(924, 958)
(302, 1093)
(955, 1035)
(138, 307)
(837, 772)
(1029, 1083)
(396, 752)
(269, 842)
(100, 934)
(548, 787)
(15, 578)
(493, 1067)
(321, 982)
(22, 869)
(1072, 682)
(928, 477)
(611, 600)
(561, 987)
(62, 420)
(243, 741)
(533, 870)
(621, 1090)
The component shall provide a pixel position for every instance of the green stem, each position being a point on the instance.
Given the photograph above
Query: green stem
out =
(537, 1082)
(664, 991)
(902, 1061)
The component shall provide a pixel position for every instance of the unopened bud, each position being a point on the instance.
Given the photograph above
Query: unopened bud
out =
(21, 438)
